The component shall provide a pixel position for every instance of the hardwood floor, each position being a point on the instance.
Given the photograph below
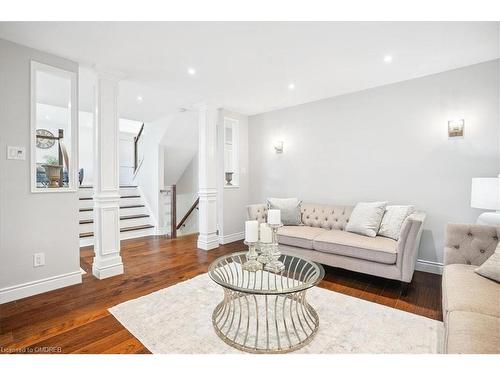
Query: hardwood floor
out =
(75, 319)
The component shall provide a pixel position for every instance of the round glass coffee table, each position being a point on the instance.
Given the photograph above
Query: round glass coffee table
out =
(265, 312)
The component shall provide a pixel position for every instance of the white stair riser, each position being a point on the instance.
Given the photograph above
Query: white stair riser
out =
(85, 215)
(89, 241)
(123, 224)
(85, 193)
(123, 202)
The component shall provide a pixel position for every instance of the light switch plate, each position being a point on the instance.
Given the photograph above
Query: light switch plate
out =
(16, 153)
(38, 259)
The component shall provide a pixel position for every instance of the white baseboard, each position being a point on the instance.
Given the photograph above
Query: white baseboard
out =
(231, 238)
(208, 242)
(428, 266)
(31, 288)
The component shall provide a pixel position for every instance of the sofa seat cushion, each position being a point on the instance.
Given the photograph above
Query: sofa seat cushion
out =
(472, 333)
(376, 249)
(299, 236)
(465, 290)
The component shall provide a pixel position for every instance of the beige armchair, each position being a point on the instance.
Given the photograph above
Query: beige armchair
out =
(471, 303)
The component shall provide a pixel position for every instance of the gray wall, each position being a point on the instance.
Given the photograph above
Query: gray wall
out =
(387, 143)
(29, 223)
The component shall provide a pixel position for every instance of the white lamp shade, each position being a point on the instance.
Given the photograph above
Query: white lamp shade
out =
(485, 193)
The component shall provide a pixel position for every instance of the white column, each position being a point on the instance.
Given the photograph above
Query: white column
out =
(107, 259)
(207, 178)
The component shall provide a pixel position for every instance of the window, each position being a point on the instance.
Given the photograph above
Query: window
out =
(53, 129)
(231, 153)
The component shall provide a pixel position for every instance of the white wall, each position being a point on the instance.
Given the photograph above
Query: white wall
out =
(232, 201)
(187, 192)
(126, 158)
(30, 222)
(387, 143)
(149, 177)
(86, 146)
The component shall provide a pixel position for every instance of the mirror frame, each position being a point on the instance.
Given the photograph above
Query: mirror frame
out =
(235, 150)
(73, 155)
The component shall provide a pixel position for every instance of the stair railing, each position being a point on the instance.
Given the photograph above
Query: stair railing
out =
(188, 213)
(137, 162)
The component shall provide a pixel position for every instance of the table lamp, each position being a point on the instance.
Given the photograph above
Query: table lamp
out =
(485, 194)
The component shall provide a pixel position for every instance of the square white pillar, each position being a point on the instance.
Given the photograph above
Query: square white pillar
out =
(107, 259)
(207, 178)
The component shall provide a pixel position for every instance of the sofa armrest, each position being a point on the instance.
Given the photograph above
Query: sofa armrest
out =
(408, 244)
(257, 212)
(470, 243)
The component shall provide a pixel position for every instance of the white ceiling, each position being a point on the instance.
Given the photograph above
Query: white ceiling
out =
(247, 66)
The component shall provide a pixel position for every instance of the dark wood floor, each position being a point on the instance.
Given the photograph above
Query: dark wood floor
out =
(76, 320)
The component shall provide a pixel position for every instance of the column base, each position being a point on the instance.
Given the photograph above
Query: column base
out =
(208, 242)
(103, 271)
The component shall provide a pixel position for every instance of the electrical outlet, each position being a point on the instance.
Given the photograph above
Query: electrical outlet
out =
(38, 259)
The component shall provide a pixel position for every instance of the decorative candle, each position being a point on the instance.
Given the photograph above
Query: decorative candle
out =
(266, 234)
(274, 217)
(251, 231)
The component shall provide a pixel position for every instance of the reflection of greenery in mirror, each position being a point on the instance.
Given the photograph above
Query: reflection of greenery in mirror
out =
(53, 90)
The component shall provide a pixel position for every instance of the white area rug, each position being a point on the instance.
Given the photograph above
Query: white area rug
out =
(178, 320)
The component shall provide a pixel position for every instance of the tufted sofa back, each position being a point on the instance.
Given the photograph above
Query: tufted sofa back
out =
(470, 244)
(325, 216)
(313, 215)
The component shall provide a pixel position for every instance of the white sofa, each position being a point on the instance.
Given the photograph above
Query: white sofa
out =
(322, 238)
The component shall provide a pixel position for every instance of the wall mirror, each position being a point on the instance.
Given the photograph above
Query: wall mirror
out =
(231, 153)
(53, 129)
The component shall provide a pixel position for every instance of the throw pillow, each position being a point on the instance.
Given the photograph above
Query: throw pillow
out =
(366, 218)
(290, 209)
(491, 268)
(393, 219)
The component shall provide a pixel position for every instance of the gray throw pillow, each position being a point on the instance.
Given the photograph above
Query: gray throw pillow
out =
(289, 207)
(393, 219)
(491, 268)
(366, 218)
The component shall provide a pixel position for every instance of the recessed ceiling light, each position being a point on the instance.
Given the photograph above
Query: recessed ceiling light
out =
(387, 58)
(291, 86)
(191, 71)
(140, 99)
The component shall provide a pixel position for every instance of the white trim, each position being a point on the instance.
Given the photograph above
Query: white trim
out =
(103, 272)
(208, 242)
(36, 66)
(31, 288)
(231, 238)
(428, 266)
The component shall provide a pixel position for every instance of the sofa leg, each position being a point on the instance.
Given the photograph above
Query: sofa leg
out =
(404, 288)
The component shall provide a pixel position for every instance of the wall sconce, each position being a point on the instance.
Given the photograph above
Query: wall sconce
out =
(456, 128)
(278, 147)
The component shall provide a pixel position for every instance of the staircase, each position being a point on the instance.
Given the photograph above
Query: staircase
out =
(135, 220)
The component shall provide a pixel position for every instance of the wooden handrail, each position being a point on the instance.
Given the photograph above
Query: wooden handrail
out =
(136, 153)
(195, 204)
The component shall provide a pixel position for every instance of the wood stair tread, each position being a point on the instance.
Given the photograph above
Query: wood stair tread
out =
(125, 217)
(126, 229)
(121, 207)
